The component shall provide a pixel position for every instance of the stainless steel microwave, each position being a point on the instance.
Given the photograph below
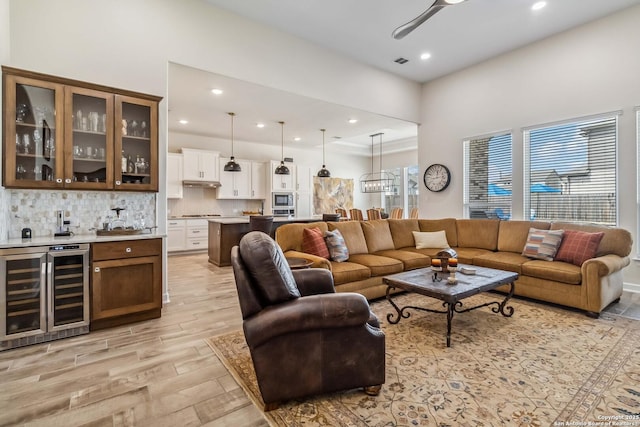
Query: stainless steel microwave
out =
(282, 200)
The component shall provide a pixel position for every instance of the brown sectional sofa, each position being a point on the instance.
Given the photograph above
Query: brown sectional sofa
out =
(382, 247)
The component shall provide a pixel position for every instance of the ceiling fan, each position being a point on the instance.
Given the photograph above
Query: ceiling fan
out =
(405, 29)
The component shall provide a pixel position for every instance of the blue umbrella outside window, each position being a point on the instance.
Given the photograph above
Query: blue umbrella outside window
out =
(496, 190)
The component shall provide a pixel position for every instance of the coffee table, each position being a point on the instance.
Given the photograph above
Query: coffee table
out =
(421, 282)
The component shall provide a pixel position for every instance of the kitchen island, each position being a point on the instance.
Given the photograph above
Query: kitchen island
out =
(225, 233)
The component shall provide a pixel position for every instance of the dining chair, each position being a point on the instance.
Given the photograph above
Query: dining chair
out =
(343, 214)
(414, 213)
(356, 214)
(373, 214)
(396, 213)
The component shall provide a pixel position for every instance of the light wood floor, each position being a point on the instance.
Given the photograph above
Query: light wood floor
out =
(154, 373)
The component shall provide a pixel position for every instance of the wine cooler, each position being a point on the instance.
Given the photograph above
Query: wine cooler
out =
(44, 294)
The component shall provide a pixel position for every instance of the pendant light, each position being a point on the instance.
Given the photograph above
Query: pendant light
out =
(231, 165)
(377, 182)
(324, 172)
(282, 169)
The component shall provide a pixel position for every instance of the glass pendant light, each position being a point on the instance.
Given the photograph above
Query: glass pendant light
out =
(282, 169)
(324, 172)
(231, 165)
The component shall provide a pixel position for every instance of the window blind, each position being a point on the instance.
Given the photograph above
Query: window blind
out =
(570, 170)
(487, 176)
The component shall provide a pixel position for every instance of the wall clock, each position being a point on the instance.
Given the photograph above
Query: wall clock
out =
(437, 177)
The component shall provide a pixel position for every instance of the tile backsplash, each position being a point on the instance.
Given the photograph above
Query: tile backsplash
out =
(87, 210)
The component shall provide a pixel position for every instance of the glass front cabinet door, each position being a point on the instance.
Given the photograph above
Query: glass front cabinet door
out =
(33, 120)
(88, 139)
(136, 144)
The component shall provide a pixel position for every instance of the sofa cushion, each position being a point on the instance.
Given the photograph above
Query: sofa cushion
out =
(553, 270)
(411, 260)
(467, 255)
(352, 234)
(512, 235)
(345, 272)
(268, 267)
(338, 250)
(401, 231)
(508, 261)
(313, 242)
(289, 236)
(477, 233)
(542, 244)
(430, 239)
(446, 224)
(616, 241)
(377, 234)
(578, 246)
(378, 265)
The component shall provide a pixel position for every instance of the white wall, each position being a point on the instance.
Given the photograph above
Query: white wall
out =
(589, 70)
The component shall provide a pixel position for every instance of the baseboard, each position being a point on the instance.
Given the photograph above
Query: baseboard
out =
(631, 287)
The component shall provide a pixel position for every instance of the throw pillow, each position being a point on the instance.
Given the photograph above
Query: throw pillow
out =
(542, 244)
(268, 267)
(578, 246)
(338, 250)
(313, 242)
(430, 239)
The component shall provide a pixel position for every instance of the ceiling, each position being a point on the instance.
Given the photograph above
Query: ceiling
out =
(456, 37)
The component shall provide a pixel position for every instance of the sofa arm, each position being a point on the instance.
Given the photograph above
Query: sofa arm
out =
(318, 262)
(604, 265)
(313, 281)
(338, 310)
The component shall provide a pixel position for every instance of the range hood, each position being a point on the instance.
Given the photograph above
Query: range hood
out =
(204, 184)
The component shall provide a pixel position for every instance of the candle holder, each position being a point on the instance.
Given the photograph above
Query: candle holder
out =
(451, 280)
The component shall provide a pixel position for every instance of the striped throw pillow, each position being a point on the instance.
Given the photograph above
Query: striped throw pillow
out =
(542, 244)
(313, 242)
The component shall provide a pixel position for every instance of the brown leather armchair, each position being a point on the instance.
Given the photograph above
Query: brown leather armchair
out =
(304, 338)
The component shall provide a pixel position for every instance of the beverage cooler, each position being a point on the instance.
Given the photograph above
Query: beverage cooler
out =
(44, 294)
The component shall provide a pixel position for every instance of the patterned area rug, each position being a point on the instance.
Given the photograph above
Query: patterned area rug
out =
(544, 366)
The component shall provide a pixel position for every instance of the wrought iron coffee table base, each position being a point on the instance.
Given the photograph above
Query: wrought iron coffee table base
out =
(450, 308)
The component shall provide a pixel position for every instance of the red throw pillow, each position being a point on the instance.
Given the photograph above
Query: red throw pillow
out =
(578, 246)
(313, 242)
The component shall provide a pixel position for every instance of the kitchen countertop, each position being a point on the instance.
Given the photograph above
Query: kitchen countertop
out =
(71, 240)
(245, 219)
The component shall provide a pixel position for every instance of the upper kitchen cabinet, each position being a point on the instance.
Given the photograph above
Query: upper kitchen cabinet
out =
(200, 165)
(282, 182)
(61, 133)
(259, 180)
(137, 142)
(33, 133)
(235, 185)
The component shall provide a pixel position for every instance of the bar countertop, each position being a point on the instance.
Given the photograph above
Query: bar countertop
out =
(245, 219)
(72, 240)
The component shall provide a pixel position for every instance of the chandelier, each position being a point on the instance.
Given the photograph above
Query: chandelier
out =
(377, 182)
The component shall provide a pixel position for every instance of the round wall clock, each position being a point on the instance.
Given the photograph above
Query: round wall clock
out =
(437, 177)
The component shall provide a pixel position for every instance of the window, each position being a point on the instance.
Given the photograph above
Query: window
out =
(487, 176)
(405, 192)
(570, 170)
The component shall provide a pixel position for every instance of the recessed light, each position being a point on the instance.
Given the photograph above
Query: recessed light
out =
(260, 125)
(297, 138)
(538, 5)
(425, 56)
(183, 121)
(216, 91)
(352, 121)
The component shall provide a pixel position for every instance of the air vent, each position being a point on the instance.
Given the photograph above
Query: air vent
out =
(401, 60)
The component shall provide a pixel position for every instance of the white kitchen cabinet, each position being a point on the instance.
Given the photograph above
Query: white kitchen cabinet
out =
(174, 176)
(304, 205)
(282, 182)
(197, 234)
(176, 235)
(258, 180)
(235, 185)
(200, 165)
(304, 180)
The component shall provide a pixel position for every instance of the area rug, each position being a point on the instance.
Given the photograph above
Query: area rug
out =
(544, 366)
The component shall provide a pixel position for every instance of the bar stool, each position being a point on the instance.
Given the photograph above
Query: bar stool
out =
(356, 214)
(262, 223)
